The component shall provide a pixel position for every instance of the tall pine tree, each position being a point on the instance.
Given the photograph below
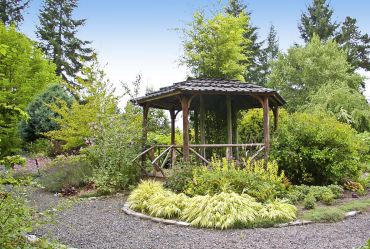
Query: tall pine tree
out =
(11, 11)
(318, 20)
(57, 32)
(269, 54)
(253, 49)
(355, 43)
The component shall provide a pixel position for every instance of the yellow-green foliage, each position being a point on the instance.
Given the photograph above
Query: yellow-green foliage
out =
(139, 197)
(222, 211)
(167, 204)
(277, 211)
(252, 179)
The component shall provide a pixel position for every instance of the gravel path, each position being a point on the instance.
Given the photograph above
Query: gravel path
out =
(100, 224)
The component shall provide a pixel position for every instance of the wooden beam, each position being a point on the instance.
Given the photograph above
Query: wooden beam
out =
(200, 156)
(266, 128)
(229, 151)
(235, 131)
(196, 126)
(185, 126)
(202, 124)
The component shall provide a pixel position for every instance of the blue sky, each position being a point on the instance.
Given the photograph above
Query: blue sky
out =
(139, 36)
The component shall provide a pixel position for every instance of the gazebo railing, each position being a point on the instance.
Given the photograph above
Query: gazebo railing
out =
(159, 161)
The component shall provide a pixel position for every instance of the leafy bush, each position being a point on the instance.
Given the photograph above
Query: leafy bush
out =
(10, 161)
(40, 147)
(316, 149)
(180, 177)
(309, 201)
(116, 146)
(277, 211)
(250, 126)
(15, 220)
(63, 172)
(326, 194)
(253, 179)
(355, 187)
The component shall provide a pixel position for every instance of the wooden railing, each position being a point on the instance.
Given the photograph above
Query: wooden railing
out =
(170, 151)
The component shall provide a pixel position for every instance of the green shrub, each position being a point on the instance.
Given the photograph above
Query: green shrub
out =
(277, 211)
(40, 147)
(72, 171)
(253, 180)
(327, 197)
(336, 190)
(15, 220)
(316, 149)
(114, 150)
(180, 177)
(309, 201)
(250, 126)
(10, 161)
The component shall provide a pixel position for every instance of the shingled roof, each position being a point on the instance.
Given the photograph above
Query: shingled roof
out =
(208, 87)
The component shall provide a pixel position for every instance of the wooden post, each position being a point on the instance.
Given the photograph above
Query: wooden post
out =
(202, 125)
(196, 127)
(229, 150)
(144, 131)
(173, 134)
(185, 126)
(235, 131)
(275, 111)
(266, 128)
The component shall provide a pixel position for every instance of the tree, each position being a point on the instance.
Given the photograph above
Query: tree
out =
(268, 55)
(82, 121)
(253, 72)
(346, 104)
(303, 70)
(11, 11)
(57, 32)
(41, 116)
(317, 20)
(215, 47)
(24, 73)
(356, 45)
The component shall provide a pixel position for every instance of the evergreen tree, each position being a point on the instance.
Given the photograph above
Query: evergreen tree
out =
(57, 32)
(253, 72)
(272, 49)
(11, 11)
(318, 20)
(268, 55)
(357, 45)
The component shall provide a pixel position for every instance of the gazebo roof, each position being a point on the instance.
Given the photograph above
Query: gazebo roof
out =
(167, 97)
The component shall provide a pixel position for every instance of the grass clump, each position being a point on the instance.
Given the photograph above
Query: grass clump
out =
(221, 211)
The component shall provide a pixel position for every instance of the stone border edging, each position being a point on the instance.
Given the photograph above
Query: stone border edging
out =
(126, 209)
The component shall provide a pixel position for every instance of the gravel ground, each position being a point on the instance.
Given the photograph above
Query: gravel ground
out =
(100, 224)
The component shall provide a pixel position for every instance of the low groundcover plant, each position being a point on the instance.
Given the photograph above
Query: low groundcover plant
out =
(223, 210)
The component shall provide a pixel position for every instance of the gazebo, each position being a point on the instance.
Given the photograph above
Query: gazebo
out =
(199, 96)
